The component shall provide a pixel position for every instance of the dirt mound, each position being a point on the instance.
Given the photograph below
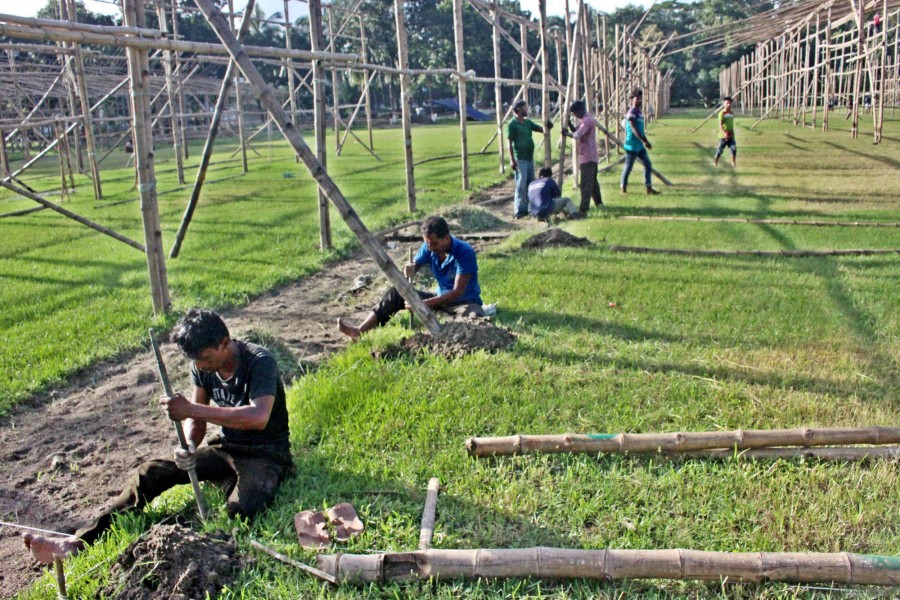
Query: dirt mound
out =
(555, 238)
(464, 219)
(175, 563)
(456, 339)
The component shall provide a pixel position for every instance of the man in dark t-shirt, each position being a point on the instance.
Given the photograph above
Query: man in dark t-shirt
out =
(236, 385)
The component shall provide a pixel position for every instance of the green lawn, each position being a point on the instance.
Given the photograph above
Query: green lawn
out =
(692, 344)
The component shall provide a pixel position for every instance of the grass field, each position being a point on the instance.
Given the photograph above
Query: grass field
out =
(692, 344)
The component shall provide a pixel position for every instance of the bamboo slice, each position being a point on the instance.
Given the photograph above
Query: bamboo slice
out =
(427, 529)
(862, 453)
(316, 169)
(740, 439)
(560, 563)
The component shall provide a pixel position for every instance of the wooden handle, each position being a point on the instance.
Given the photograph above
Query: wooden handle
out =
(179, 430)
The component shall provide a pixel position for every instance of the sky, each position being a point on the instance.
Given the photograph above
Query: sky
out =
(29, 8)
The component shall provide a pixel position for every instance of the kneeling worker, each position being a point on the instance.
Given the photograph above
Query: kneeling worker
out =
(453, 266)
(545, 198)
(250, 458)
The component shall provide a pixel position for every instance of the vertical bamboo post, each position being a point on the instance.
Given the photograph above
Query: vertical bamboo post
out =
(368, 88)
(461, 86)
(317, 42)
(170, 92)
(66, 155)
(238, 100)
(523, 42)
(545, 82)
(335, 88)
(64, 189)
(815, 77)
(316, 169)
(826, 84)
(179, 85)
(403, 60)
(139, 69)
(289, 66)
(857, 79)
(604, 87)
(498, 87)
(878, 102)
(4, 155)
(87, 122)
(60, 572)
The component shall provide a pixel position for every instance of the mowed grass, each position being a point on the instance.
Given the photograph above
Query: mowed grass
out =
(72, 296)
(612, 342)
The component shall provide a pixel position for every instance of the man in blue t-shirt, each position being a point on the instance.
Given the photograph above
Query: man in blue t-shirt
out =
(454, 267)
(236, 385)
(545, 198)
(636, 143)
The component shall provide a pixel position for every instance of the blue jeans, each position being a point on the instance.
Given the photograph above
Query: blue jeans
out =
(630, 157)
(524, 176)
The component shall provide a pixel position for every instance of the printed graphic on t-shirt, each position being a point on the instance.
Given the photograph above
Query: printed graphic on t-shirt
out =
(228, 396)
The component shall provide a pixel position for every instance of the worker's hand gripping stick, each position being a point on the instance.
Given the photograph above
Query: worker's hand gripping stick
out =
(167, 387)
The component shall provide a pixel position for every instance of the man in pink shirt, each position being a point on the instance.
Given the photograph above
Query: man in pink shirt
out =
(586, 136)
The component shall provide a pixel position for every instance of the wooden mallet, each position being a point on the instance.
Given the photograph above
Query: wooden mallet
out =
(167, 387)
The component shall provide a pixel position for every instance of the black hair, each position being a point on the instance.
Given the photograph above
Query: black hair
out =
(637, 93)
(519, 105)
(577, 106)
(546, 172)
(435, 226)
(198, 330)
(727, 98)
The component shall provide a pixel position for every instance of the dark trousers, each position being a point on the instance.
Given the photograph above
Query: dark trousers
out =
(590, 187)
(726, 143)
(392, 303)
(249, 474)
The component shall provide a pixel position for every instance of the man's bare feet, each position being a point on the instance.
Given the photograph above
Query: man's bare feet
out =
(45, 549)
(348, 330)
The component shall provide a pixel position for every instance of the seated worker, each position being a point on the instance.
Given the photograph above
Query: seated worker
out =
(250, 458)
(453, 266)
(545, 198)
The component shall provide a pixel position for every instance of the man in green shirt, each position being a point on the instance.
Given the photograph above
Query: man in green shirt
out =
(521, 153)
(726, 133)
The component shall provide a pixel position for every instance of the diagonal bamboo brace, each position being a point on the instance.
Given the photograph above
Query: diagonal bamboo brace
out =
(179, 430)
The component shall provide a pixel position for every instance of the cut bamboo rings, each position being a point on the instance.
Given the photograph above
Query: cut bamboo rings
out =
(679, 442)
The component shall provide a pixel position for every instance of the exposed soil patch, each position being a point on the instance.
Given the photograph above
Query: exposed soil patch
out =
(172, 562)
(555, 238)
(456, 339)
(67, 452)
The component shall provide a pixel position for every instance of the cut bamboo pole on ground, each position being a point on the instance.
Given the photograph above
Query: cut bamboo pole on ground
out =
(426, 533)
(740, 439)
(560, 563)
(843, 454)
(762, 221)
(762, 253)
(266, 97)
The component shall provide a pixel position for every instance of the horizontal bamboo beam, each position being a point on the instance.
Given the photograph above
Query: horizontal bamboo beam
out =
(118, 40)
(762, 221)
(741, 439)
(560, 563)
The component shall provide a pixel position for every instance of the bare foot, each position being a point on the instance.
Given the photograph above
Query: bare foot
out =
(348, 330)
(45, 549)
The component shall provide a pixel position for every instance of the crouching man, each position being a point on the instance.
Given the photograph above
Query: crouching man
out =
(453, 264)
(236, 385)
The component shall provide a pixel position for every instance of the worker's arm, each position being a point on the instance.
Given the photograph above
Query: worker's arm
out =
(195, 430)
(459, 288)
(254, 416)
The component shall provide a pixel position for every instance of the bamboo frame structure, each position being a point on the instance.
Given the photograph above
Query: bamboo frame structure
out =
(679, 442)
(609, 564)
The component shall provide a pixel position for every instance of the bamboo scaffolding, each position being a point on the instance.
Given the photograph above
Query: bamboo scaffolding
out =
(609, 564)
(461, 89)
(403, 64)
(316, 169)
(317, 41)
(679, 442)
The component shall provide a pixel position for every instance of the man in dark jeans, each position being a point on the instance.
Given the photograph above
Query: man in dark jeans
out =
(585, 136)
(250, 457)
(455, 269)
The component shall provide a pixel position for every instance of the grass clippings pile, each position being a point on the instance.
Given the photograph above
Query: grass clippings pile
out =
(456, 339)
(555, 238)
(469, 219)
(173, 562)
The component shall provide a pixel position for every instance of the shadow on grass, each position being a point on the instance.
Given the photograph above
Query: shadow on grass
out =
(891, 162)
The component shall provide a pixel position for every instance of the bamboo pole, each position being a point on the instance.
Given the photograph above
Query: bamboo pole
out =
(360, 102)
(403, 64)
(139, 68)
(679, 442)
(87, 222)
(458, 33)
(860, 453)
(368, 93)
(498, 88)
(426, 532)
(317, 41)
(206, 156)
(317, 170)
(289, 66)
(764, 221)
(545, 82)
(760, 253)
(171, 93)
(335, 89)
(610, 564)
(243, 142)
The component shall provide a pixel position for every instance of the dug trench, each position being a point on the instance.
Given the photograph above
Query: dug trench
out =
(67, 451)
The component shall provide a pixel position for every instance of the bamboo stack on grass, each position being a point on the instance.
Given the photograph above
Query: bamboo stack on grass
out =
(560, 563)
(680, 442)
